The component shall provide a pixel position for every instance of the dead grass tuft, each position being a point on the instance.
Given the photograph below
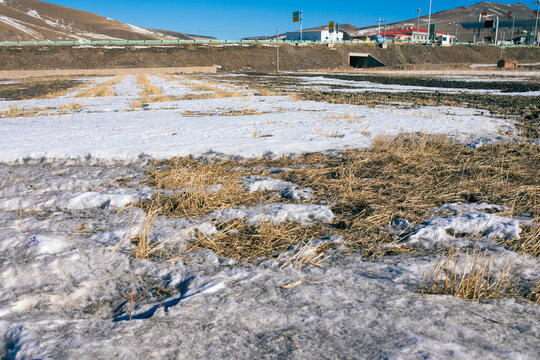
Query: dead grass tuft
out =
(196, 188)
(146, 87)
(528, 243)
(144, 246)
(398, 177)
(406, 176)
(102, 90)
(242, 241)
(472, 276)
(204, 91)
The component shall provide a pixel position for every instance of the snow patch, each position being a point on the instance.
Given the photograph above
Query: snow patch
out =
(93, 199)
(286, 188)
(34, 13)
(276, 213)
(48, 244)
(465, 219)
(19, 25)
(140, 30)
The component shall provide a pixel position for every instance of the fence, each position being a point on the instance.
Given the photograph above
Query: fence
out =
(211, 41)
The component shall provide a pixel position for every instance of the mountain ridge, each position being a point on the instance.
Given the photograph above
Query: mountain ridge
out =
(34, 20)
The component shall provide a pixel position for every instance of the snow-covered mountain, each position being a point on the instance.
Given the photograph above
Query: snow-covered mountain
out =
(31, 20)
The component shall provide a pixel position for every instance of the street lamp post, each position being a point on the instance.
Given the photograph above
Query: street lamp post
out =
(384, 36)
(536, 23)
(418, 22)
(429, 22)
(513, 25)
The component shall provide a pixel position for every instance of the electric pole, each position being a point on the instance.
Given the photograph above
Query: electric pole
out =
(277, 51)
(513, 24)
(429, 23)
(496, 29)
(301, 21)
(418, 25)
(536, 23)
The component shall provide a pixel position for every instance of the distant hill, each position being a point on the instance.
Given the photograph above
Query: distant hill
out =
(31, 20)
(445, 21)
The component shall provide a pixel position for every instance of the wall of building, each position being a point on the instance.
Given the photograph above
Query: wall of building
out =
(323, 35)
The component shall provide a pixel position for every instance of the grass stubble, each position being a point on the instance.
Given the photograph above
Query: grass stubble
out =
(397, 177)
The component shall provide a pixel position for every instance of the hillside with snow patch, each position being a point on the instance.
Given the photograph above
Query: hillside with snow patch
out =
(33, 20)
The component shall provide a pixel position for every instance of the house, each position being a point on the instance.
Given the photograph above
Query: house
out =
(415, 35)
(315, 35)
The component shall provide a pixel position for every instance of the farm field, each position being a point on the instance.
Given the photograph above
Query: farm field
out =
(294, 215)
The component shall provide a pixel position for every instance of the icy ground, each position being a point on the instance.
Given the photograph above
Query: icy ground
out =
(67, 269)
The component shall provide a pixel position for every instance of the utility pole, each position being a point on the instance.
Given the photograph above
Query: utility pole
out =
(512, 35)
(496, 29)
(277, 51)
(536, 23)
(429, 23)
(384, 36)
(379, 26)
(418, 25)
(455, 37)
(301, 22)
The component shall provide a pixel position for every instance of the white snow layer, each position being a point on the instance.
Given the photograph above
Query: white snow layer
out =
(106, 128)
(286, 188)
(469, 219)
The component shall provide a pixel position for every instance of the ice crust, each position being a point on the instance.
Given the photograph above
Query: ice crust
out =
(63, 291)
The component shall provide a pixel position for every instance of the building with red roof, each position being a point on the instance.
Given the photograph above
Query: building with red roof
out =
(414, 34)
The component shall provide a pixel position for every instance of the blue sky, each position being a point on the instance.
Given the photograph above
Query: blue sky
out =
(239, 18)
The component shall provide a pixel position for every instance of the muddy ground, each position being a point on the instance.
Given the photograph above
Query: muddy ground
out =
(504, 86)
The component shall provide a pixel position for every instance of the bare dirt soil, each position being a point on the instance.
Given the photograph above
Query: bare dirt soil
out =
(504, 86)
(35, 88)
(248, 57)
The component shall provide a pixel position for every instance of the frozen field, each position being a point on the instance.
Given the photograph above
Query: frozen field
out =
(75, 179)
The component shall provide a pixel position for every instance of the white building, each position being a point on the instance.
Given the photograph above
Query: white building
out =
(316, 35)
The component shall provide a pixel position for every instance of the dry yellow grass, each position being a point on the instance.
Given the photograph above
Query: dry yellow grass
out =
(198, 188)
(101, 90)
(144, 247)
(75, 89)
(71, 107)
(208, 92)
(242, 241)
(404, 177)
(150, 93)
(401, 177)
(472, 276)
(239, 112)
(146, 87)
(14, 111)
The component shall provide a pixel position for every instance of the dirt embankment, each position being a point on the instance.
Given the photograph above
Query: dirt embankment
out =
(257, 57)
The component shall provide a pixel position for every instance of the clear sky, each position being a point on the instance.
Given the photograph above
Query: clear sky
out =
(235, 19)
